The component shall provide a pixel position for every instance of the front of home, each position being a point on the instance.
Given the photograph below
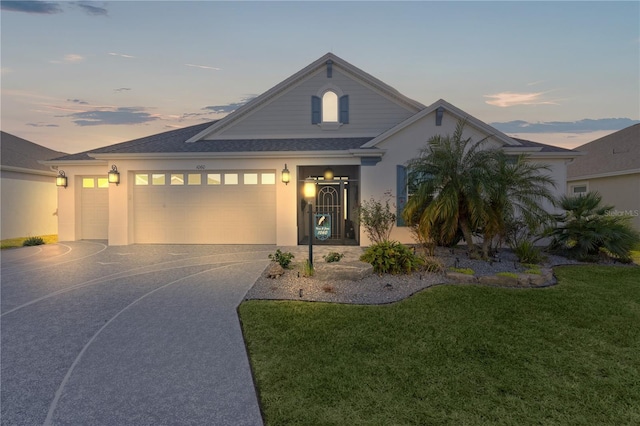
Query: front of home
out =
(240, 180)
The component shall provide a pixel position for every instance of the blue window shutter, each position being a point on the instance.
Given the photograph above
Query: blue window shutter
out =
(401, 193)
(344, 109)
(316, 110)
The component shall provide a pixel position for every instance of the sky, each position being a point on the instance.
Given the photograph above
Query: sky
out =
(80, 75)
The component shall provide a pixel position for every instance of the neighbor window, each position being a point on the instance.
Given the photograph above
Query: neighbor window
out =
(142, 179)
(213, 179)
(157, 179)
(194, 179)
(250, 178)
(177, 179)
(231, 179)
(268, 178)
(88, 182)
(579, 189)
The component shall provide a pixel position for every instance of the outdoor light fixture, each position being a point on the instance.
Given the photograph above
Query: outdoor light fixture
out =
(114, 175)
(328, 173)
(286, 176)
(61, 179)
(310, 196)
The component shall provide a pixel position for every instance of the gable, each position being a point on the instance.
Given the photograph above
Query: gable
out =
(285, 111)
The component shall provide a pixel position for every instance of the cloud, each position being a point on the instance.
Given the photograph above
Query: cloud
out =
(204, 67)
(223, 109)
(71, 58)
(122, 55)
(580, 126)
(41, 125)
(52, 7)
(38, 7)
(509, 99)
(89, 8)
(122, 89)
(112, 116)
(78, 101)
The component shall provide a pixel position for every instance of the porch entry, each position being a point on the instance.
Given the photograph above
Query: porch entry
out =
(335, 205)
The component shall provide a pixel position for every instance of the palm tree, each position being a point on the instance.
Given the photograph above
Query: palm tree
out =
(518, 189)
(452, 182)
(586, 227)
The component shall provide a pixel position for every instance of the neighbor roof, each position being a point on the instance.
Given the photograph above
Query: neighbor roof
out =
(617, 152)
(544, 147)
(20, 153)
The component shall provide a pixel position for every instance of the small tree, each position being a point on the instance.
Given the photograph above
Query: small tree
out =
(377, 219)
(586, 228)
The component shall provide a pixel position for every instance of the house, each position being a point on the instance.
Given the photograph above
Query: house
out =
(610, 166)
(29, 194)
(240, 180)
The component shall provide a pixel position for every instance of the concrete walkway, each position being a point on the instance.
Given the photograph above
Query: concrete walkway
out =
(133, 335)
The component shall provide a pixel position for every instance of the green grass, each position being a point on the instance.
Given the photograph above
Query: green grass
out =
(459, 355)
(17, 242)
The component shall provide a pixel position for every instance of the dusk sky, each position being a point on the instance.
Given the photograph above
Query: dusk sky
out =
(79, 75)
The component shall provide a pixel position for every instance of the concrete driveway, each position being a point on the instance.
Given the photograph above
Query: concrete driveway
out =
(129, 335)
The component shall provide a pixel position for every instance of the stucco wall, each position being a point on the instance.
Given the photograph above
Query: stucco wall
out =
(622, 192)
(29, 205)
(380, 180)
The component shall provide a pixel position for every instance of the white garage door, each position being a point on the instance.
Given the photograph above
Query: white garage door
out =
(214, 207)
(94, 211)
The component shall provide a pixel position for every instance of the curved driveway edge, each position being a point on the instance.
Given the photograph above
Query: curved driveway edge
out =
(132, 335)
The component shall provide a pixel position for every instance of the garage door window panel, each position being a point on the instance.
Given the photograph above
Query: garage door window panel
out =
(177, 179)
(194, 179)
(250, 178)
(213, 179)
(142, 179)
(268, 178)
(158, 179)
(231, 179)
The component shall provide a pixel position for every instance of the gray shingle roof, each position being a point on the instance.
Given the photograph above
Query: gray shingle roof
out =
(18, 152)
(174, 142)
(545, 147)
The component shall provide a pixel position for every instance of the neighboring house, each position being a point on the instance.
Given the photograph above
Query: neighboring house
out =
(223, 182)
(611, 167)
(29, 193)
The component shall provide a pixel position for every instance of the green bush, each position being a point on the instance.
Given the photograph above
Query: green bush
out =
(527, 252)
(33, 241)
(391, 257)
(283, 258)
(377, 219)
(587, 230)
(333, 257)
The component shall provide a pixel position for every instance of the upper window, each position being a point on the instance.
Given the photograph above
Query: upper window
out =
(329, 107)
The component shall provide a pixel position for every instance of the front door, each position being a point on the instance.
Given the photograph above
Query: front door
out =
(335, 208)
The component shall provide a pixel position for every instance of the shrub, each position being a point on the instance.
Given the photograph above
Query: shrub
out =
(333, 257)
(432, 264)
(391, 257)
(527, 252)
(283, 258)
(466, 271)
(377, 220)
(507, 274)
(307, 269)
(586, 230)
(33, 241)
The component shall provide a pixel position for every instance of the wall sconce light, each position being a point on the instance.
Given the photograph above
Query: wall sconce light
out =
(328, 173)
(286, 176)
(61, 179)
(114, 175)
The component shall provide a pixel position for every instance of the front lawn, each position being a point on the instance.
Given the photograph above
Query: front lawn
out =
(462, 355)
